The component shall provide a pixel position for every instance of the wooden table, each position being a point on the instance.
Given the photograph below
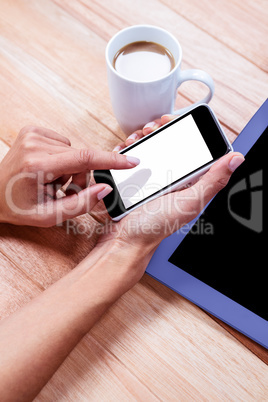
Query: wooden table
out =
(152, 344)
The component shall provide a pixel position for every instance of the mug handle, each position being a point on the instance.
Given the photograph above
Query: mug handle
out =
(196, 75)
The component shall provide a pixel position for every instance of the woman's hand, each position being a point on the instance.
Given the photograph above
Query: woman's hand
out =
(148, 225)
(39, 164)
(147, 129)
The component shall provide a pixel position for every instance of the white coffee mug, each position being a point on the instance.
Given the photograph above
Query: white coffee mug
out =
(136, 103)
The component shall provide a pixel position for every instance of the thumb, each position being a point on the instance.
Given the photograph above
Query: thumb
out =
(218, 175)
(78, 204)
(213, 181)
(188, 203)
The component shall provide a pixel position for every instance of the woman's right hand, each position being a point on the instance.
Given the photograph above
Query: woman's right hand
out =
(39, 163)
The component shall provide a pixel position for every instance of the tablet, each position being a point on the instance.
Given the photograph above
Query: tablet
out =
(219, 261)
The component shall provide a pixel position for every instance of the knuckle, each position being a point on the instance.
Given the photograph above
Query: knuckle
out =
(27, 142)
(222, 182)
(30, 164)
(114, 157)
(217, 182)
(27, 138)
(84, 156)
(28, 129)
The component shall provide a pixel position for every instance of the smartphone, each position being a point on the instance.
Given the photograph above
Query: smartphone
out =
(170, 158)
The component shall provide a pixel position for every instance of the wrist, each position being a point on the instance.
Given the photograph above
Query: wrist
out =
(87, 292)
(120, 248)
(114, 267)
(135, 244)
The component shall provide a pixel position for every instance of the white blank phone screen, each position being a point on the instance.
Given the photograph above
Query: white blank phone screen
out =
(164, 158)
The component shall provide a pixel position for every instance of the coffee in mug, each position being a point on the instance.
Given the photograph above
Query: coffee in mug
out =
(142, 90)
(143, 61)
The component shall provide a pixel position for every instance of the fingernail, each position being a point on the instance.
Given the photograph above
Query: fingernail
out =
(151, 124)
(133, 136)
(134, 161)
(150, 127)
(131, 139)
(104, 192)
(117, 149)
(235, 162)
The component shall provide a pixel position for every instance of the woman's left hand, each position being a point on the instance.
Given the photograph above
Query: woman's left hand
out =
(147, 129)
(145, 227)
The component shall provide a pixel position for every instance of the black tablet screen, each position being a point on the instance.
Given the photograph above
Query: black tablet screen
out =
(227, 247)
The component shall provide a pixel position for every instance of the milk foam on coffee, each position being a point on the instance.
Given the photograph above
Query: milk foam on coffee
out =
(143, 61)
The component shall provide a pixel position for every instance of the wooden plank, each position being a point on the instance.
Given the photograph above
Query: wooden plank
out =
(46, 254)
(38, 103)
(92, 373)
(74, 72)
(255, 348)
(230, 23)
(16, 288)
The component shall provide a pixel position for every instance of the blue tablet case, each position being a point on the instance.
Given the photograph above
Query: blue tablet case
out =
(197, 291)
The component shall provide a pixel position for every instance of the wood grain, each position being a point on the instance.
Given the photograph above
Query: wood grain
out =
(16, 288)
(229, 23)
(152, 344)
(46, 261)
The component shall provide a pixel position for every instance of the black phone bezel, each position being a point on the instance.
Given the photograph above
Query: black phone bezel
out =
(211, 133)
